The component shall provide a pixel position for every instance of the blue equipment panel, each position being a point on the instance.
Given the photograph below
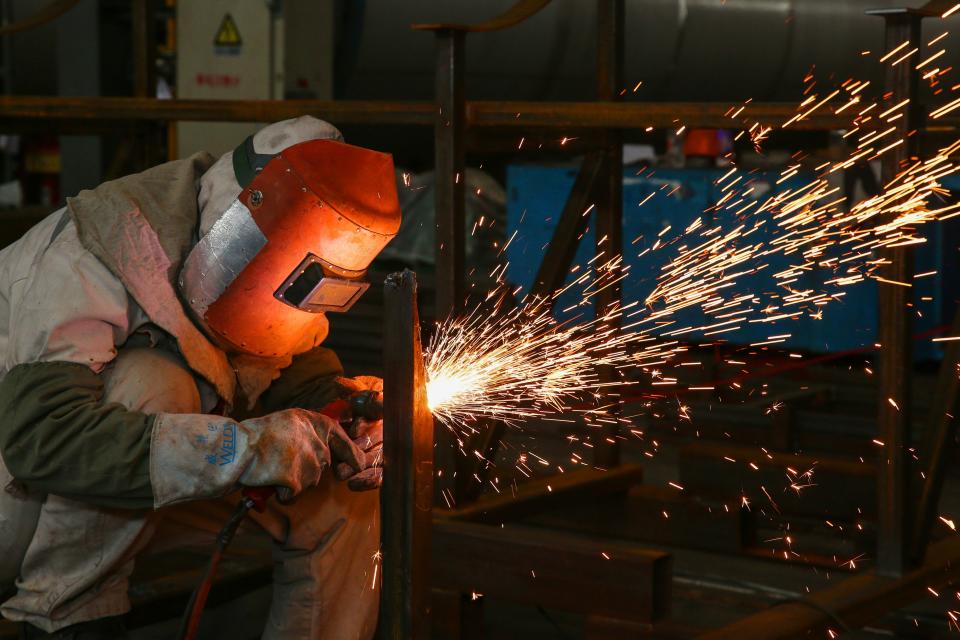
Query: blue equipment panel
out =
(537, 193)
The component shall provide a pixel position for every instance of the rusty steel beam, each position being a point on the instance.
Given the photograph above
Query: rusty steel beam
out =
(552, 491)
(639, 115)
(519, 12)
(894, 323)
(144, 48)
(571, 225)
(144, 42)
(78, 111)
(406, 498)
(941, 430)
(450, 165)
(849, 604)
(450, 207)
(24, 111)
(552, 569)
(838, 488)
(608, 214)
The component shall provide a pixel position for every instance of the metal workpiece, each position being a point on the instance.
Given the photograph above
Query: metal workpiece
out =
(406, 498)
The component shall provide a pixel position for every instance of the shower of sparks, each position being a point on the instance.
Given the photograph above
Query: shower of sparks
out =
(522, 363)
(516, 363)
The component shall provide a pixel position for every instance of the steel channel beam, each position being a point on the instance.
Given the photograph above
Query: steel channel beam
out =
(24, 111)
(552, 491)
(895, 359)
(406, 498)
(849, 604)
(552, 569)
(838, 488)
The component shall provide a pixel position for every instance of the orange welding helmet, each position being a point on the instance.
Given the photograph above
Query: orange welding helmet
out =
(295, 244)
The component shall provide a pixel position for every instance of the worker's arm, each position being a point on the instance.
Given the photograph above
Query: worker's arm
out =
(310, 382)
(58, 436)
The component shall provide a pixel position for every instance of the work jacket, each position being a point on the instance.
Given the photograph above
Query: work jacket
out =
(91, 278)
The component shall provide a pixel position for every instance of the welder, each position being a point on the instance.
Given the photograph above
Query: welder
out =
(160, 351)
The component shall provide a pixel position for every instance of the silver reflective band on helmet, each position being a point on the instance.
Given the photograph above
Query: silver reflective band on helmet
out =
(309, 288)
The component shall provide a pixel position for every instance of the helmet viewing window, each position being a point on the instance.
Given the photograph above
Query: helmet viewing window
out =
(311, 288)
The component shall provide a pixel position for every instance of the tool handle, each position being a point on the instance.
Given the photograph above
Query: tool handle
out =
(258, 497)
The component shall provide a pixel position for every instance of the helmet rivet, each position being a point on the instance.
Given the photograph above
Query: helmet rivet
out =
(256, 197)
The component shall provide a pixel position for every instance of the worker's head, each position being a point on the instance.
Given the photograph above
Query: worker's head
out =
(289, 222)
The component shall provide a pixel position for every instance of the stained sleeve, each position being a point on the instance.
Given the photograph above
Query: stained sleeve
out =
(308, 383)
(57, 435)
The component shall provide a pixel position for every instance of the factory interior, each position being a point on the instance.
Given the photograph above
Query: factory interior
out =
(514, 319)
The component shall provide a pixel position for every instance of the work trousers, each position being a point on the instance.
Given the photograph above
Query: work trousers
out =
(325, 544)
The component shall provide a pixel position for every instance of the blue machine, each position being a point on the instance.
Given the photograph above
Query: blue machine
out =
(537, 193)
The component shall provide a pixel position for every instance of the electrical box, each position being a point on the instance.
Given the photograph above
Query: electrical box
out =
(241, 50)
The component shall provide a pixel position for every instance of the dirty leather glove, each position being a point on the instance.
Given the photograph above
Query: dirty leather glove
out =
(367, 435)
(203, 456)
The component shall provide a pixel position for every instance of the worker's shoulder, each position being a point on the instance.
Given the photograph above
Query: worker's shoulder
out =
(36, 240)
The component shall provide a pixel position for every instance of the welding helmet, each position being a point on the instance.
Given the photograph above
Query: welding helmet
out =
(293, 245)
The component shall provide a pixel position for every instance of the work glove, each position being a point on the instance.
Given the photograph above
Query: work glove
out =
(367, 435)
(194, 457)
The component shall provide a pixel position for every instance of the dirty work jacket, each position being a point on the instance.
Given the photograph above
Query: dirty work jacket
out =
(87, 280)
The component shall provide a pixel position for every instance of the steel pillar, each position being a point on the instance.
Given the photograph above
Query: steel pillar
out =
(609, 209)
(406, 498)
(895, 359)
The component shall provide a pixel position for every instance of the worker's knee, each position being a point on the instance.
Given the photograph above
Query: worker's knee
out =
(151, 381)
(329, 514)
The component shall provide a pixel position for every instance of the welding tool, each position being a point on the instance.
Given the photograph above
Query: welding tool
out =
(362, 405)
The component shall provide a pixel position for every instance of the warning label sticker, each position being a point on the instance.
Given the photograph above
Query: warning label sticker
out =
(228, 40)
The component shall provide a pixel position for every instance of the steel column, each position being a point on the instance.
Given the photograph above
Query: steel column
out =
(449, 156)
(406, 499)
(609, 209)
(895, 359)
(941, 429)
(147, 142)
(450, 206)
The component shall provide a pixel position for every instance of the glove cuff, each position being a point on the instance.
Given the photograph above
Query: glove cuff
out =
(196, 456)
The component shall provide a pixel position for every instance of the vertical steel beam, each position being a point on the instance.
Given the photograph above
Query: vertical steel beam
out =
(450, 205)
(449, 156)
(609, 209)
(895, 358)
(941, 429)
(144, 44)
(406, 498)
(144, 49)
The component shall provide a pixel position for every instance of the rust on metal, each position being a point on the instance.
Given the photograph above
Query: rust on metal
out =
(406, 498)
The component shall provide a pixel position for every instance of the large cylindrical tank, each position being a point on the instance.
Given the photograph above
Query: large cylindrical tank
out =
(680, 49)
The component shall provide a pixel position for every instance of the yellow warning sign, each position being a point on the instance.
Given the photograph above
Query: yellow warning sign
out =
(228, 38)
